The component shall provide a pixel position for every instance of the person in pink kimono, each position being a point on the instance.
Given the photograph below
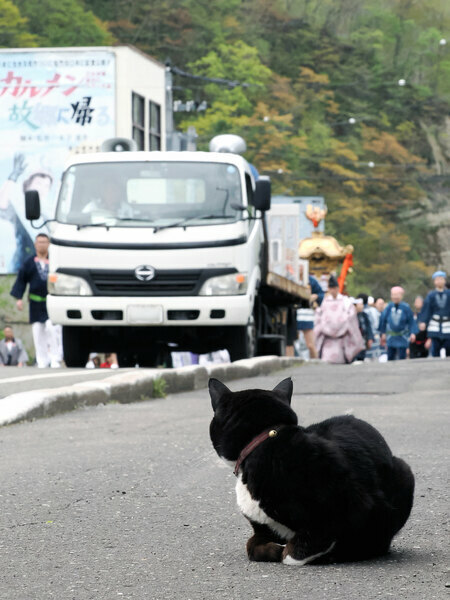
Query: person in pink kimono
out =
(338, 338)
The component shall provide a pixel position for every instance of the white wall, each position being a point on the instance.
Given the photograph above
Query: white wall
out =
(135, 72)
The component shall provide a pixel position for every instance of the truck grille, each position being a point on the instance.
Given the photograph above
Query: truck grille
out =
(124, 283)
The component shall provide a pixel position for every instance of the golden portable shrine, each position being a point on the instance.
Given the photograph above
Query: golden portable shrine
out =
(323, 252)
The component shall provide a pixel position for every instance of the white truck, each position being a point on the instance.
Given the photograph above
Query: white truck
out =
(158, 250)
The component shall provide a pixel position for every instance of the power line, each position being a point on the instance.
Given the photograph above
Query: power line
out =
(232, 83)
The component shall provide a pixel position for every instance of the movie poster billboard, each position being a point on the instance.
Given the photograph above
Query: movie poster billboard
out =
(52, 103)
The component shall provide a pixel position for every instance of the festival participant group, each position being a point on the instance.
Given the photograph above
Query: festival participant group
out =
(342, 329)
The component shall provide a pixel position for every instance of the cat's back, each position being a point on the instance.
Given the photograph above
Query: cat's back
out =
(352, 436)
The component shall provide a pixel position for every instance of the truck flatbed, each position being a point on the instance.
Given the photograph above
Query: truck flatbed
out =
(276, 286)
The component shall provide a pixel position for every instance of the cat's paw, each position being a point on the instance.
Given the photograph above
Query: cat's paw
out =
(269, 552)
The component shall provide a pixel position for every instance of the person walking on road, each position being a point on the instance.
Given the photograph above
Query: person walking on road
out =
(373, 350)
(419, 348)
(336, 329)
(365, 327)
(12, 351)
(397, 325)
(435, 315)
(34, 273)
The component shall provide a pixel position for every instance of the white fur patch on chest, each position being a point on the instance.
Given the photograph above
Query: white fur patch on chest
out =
(252, 510)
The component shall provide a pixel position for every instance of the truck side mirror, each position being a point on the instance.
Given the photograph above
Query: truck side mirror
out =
(261, 197)
(32, 205)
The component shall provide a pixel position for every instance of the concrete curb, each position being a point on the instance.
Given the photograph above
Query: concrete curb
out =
(132, 387)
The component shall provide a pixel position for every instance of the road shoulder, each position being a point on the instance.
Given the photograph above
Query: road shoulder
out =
(132, 387)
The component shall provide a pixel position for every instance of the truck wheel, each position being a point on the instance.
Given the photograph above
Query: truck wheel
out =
(242, 341)
(76, 345)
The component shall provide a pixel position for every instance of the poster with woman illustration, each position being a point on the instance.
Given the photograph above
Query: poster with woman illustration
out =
(52, 103)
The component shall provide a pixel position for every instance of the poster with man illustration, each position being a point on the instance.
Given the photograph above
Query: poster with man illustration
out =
(52, 103)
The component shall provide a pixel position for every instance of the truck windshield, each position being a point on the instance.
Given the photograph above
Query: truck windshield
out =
(150, 194)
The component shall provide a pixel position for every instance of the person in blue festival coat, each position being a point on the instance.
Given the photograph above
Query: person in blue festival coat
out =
(435, 315)
(397, 326)
(34, 272)
(305, 316)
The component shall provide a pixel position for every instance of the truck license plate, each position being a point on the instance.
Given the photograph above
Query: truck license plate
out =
(141, 313)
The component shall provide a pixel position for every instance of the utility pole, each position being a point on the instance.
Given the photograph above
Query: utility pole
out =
(169, 105)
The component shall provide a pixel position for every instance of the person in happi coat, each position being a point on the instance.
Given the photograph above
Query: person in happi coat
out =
(397, 326)
(365, 327)
(336, 329)
(34, 273)
(374, 316)
(435, 315)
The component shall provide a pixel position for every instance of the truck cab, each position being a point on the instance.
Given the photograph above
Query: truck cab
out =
(151, 250)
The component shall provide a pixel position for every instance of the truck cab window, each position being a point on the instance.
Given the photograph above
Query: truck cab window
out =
(134, 194)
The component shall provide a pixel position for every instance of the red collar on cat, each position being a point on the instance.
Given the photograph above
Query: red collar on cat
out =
(262, 437)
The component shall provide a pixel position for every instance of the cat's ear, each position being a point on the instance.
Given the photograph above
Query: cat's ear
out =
(216, 390)
(284, 390)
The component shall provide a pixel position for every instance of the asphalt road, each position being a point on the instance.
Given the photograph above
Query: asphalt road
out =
(129, 501)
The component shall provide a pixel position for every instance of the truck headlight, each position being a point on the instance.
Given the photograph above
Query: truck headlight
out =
(225, 285)
(60, 284)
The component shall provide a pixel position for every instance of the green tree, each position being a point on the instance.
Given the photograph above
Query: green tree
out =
(14, 31)
(63, 23)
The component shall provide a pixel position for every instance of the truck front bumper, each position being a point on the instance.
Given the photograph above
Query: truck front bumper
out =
(150, 311)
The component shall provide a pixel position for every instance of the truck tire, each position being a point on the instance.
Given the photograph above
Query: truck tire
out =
(241, 342)
(76, 346)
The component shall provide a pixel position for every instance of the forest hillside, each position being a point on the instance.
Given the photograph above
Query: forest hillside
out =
(348, 99)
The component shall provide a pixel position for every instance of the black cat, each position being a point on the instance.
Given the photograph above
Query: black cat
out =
(324, 493)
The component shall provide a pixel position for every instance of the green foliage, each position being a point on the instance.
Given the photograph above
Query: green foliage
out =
(159, 388)
(63, 23)
(14, 32)
(8, 311)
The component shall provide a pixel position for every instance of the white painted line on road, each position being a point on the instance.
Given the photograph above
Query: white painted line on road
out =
(55, 375)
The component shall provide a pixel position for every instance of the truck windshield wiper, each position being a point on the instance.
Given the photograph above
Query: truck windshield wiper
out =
(83, 225)
(193, 218)
(135, 219)
(116, 219)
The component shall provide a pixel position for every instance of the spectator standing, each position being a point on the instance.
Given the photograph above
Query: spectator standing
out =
(365, 327)
(435, 315)
(419, 348)
(93, 362)
(338, 339)
(110, 362)
(380, 305)
(397, 325)
(370, 310)
(12, 351)
(305, 316)
(373, 350)
(34, 273)
(378, 349)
